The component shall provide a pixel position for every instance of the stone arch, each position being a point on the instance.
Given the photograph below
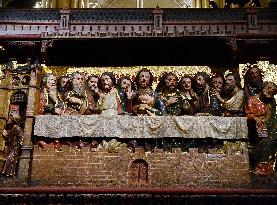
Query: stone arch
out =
(138, 173)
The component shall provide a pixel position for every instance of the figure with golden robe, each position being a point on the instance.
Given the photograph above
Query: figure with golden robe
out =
(169, 94)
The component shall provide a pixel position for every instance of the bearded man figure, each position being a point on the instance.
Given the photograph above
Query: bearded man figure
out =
(233, 96)
(190, 101)
(169, 94)
(126, 93)
(93, 94)
(253, 82)
(146, 101)
(261, 115)
(63, 86)
(260, 109)
(76, 100)
(201, 87)
(215, 107)
(109, 101)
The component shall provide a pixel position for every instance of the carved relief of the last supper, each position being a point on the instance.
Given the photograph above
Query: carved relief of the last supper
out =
(141, 126)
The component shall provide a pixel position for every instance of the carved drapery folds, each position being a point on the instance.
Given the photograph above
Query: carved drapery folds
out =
(140, 126)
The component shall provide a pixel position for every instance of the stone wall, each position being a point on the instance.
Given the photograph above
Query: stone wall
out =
(72, 167)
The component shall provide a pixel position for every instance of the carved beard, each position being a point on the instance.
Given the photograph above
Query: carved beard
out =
(79, 91)
(170, 89)
(228, 91)
(52, 93)
(256, 83)
(107, 87)
(200, 89)
(63, 90)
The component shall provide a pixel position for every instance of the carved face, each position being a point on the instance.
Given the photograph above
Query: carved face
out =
(64, 81)
(255, 78)
(217, 83)
(230, 82)
(269, 90)
(93, 83)
(51, 81)
(186, 84)
(255, 74)
(106, 83)
(200, 81)
(171, 82)
(144, 79)
(125, 84)
(78, 80)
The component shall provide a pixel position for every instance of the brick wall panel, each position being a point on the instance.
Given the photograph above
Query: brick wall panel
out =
(71, 167)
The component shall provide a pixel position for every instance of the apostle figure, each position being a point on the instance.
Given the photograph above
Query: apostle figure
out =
(215, 107)
(233, 95)
(169, 94)
(76, 100)
(260, 110)
(126, 93)
(201, 87)
(261, 114)
(253, 81)
(146, 101)
(109, 101)
(93, 94)
(190, 101)
(63, 86)
(50, 101)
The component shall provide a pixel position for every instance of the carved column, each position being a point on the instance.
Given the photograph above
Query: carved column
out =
(198, 3)
(80, 3)
(65, 18)
(252, 21)
(221, 3)
(74, 3)
(158, 20)
(205, 4)
(4, 109)
(25, 158)
(63, 3)
(54, 4)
